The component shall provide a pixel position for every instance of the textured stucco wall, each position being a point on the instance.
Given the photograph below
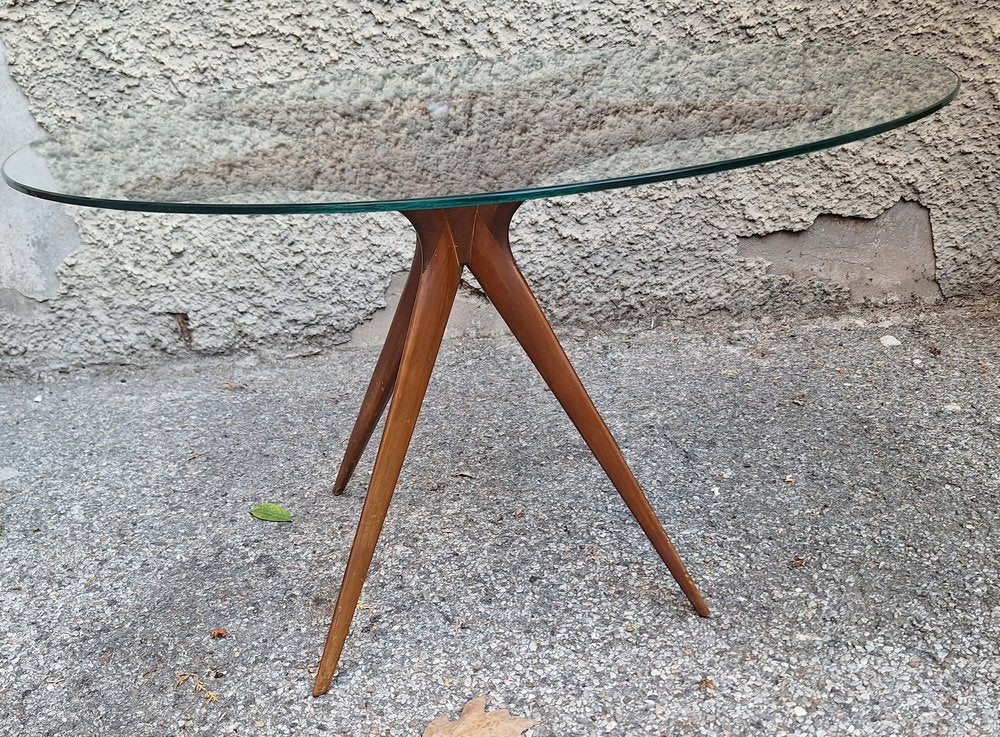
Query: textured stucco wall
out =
(294, 284)
(36, 235)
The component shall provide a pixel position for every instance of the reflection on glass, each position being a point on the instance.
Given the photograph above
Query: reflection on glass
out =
(473, 128)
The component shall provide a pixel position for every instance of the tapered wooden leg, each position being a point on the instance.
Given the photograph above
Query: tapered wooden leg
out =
(434, 297)
(493, 266)
(382, 381)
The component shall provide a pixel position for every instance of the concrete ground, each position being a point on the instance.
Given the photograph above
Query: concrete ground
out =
(836, 499)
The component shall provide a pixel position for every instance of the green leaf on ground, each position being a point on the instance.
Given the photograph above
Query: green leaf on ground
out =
(271, 513)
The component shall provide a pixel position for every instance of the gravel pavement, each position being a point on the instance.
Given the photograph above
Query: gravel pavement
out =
(835, 498)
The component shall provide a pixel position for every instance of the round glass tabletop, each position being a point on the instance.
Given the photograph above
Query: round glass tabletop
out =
(477, 131)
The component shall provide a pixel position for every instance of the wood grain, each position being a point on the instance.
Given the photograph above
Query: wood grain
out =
(432, 305)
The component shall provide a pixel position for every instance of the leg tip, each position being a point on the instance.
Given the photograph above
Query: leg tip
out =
(699, 605)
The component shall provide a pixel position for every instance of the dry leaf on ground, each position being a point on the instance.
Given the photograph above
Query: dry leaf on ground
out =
(182, 677)
(475, 722)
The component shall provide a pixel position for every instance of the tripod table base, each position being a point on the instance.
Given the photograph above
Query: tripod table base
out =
(448, 240)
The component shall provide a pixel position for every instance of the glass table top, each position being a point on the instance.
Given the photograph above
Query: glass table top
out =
(475, 130)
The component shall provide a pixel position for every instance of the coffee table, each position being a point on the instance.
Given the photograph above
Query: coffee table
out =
(456, 147)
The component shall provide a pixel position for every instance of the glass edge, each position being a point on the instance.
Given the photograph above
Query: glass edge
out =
(437, 203)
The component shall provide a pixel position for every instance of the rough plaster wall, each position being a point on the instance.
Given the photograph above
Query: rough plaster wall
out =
(35, 235)
(297, 283)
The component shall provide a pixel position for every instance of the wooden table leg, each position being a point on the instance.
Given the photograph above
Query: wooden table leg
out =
(447, 240)
(382, 381)
(439, 281)
(493, 266)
